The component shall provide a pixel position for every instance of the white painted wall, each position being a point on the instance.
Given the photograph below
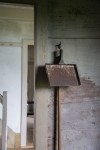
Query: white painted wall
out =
(10, 80)
(16, 24)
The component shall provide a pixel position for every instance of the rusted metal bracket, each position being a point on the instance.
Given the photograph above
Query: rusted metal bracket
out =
(62, 75)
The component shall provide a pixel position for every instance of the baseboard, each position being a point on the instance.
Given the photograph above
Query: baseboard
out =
(17, 140)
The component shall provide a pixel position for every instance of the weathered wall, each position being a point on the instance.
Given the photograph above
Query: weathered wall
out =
(76, 24)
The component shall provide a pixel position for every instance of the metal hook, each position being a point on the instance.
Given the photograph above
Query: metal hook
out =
(60, 53)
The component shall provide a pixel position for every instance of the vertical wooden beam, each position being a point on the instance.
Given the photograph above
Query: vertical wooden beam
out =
(4, 122)
(59, 118)
(41, 98)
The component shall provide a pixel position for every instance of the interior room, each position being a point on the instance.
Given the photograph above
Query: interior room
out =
(50, 75)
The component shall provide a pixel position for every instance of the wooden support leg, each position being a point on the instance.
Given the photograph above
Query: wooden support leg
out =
(4, 122)
(59, 119)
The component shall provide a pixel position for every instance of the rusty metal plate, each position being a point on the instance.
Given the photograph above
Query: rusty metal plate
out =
(62, 75)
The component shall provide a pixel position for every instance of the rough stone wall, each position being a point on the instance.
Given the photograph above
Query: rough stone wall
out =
(76, 24)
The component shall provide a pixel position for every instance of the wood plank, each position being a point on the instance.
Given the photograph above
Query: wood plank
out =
(42, 94)
(4, 122)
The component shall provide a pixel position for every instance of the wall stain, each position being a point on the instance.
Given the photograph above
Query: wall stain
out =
(86, 92)
(87, 95)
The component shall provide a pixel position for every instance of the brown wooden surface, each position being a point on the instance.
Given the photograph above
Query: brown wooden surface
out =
(59, 118)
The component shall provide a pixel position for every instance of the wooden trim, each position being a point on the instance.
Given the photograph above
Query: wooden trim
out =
(10, 44)
(4, 122)
(24, 90)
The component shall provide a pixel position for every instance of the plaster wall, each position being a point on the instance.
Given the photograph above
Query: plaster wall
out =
(16, 24)
(76, 24)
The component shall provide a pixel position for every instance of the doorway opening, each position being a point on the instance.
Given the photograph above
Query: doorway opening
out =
(30, 95)
(16, 25)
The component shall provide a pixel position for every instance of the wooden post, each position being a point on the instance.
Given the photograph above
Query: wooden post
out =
(59, 119)
(4, 122)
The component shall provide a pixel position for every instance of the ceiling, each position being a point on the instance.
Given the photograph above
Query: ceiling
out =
(30, 2)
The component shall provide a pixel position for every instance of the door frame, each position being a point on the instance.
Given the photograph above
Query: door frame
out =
(24, 75)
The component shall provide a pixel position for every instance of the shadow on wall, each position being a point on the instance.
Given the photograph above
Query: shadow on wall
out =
(41, 78)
